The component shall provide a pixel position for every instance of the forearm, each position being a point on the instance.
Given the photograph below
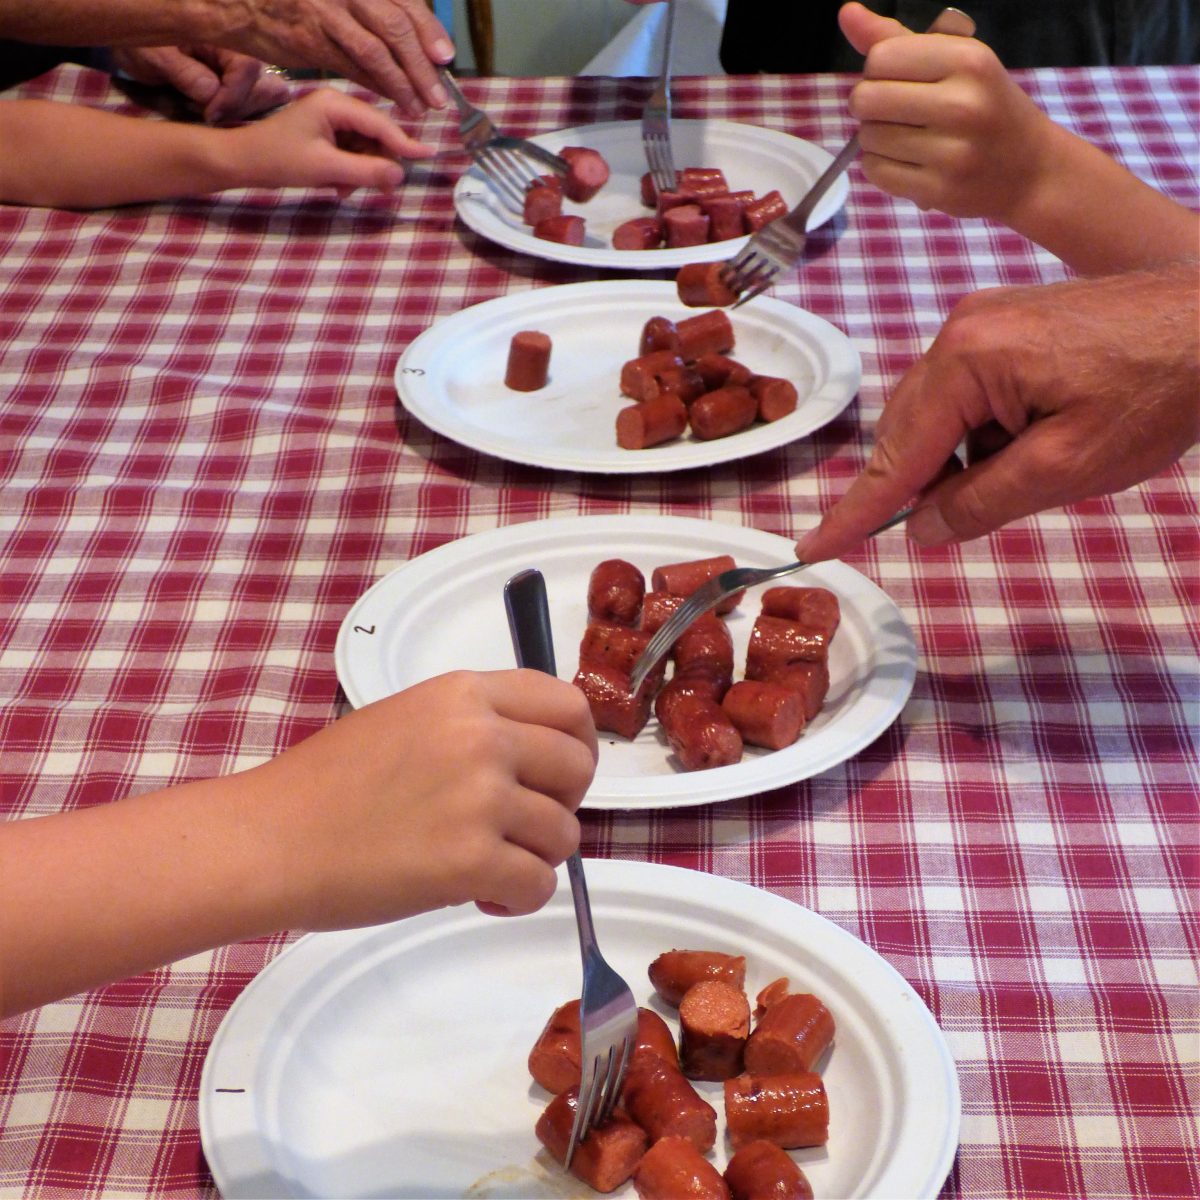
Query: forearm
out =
(117, 22)
(70, 156)
(1096, 216)
(103, 893)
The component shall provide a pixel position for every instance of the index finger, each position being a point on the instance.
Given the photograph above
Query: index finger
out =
(535, 698)
(416, 42)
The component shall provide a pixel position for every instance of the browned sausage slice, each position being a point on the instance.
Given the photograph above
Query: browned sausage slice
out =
(673, 1169)
(569, 230)
(615, 646)
(816, 607)
(725, 218)
(719, 414)
(776, 642)
(714, 1022)
(640, 377)
(685, 225)
(674, 971)
(809, 679)
(764, 210)
(664, 1103)
(652, 422)
(699, 285)
(718, 371)
(776, 398)
(761, 1170)
(658, 333)
(528, 361)
(705, 333)
(766, 714)
(542, 201)
(638, 233)
(789, 1110)
(607, 1157)
(614, 708)
(698, 731)
(683, 578)
(587, 172)
(615, 591)
(790, 1036)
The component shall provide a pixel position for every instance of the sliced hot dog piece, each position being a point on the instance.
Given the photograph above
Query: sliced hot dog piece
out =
(542, 201)
(641, 377)
(789, 1110)
(705, 333)
(683, 578)
(528, 361)
(682, 382)
(657, 608)
(790, 1036)
(761, 1170)
(702, 177)
(654, 1036)
(673, 1169)
(648, 191)
(607, 1157)
(674, 971)
(587, 172)
(699, 285)
(652, 422)
(771, 994)
(614, 708)
(615, 592)
(698, 731)
(659, 333)
(714, 1022)
(719, 414)
(705, 647)
(766, 714)
(568, 230)
(725, 219)
(615, 646)
(776, 642)
(718, 371)
(809, 679)
(762, 211)
(685, 225)
(665, 201)
(639, 233)
(658, 1097)
(776, 398)
(816, 607)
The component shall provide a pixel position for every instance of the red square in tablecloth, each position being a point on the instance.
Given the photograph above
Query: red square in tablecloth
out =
(1095, 866)
(1112, 934)
(1165, 1174)
(1147, 1088)
(72, 1160)
(1042, 1172)
(989, 866)
(999, 933)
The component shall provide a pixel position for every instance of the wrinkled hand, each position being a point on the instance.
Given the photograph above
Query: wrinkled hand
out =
(389, 46)
(326, 139)
(460, 788)
(222, 84)
(1076, 389)
(943, 123)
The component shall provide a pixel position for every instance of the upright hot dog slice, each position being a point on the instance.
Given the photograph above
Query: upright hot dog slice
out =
(641, 377)
(528, 361)
(674, 971)
(698, 731)
(615, 646)
(683, 578)
(673, 1169)
(615, 591)
(659, 333)
(789, 1110)
(766, 714)
(761, 1170)
(543, 199)
(764, 210)
(607, 1157)
(725, 219)
(685, 225)
(587, 172)
(790, 1036)
(810, 680)
(658, 1097)
(714, 1020)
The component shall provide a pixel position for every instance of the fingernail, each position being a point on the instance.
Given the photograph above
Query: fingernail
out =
(803, 545)
(927, 528)
(443, 50)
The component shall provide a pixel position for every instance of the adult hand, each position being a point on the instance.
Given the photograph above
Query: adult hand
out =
(460, 788)
(1079, 389)
(222, 84)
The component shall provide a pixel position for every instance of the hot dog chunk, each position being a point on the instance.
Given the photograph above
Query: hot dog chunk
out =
(659, 333)
(607, 1157)
(639, 233)
(683, 578)
(542, 201)
(760, 1170)
(810, 680)
(705, 333)
(615, 646)
(615, 709)
(587, 172)
(702, 179)
(714, 1019)
(775, 642)
(615, 592)
(718, 371)
(766, 714)
(652, 422)
(721, 413)
(764, 210)
(790, 1036)
(771, 994)
(705, 643)
(685, 225)
(789, 1110)
(725, 219)
(569, 230)
(528, 361)
(657, 608)
(641, 377)
(776, 398)
(815, 607)
(664, 1103)
(673, 1169)
(697, 730)
(674, 971)
(699, 285)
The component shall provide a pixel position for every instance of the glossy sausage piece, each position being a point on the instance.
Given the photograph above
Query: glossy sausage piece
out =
(705, 333)
(714, 1019)
(664, 1103)
(701, 180)
(656, 609)
(568, 230)
(685, 225)
(639, 233)
(611, 645)
(719, 414)
(658, 333)
(776, 642)
(725, 219)
(674, 971)
(760, 1170)
(652, 422)
(718, 371)
(789, 1110)
(641, 376)
(683, 578)
(771, 994)
(809, 679)
(587, 172)
(607, 1157)
(698, 731)
(542, 201)
(699, 285)
(766, 714)
(790, 1036)
(673, 1169)
(706, 642)
(765, 209)
(775, 398)
(615, 709)
(816, 607)
(615, 592)
(528, 361)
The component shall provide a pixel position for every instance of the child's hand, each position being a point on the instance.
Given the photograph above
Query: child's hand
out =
(943, 124)
(326, 139)
(460, 788)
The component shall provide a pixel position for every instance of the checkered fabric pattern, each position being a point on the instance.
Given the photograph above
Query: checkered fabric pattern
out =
(202, 465)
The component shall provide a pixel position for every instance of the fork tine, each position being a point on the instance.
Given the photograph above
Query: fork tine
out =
(505, 185)
(612, 1089)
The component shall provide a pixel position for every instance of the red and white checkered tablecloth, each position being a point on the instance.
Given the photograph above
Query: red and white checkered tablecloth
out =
(202, 465)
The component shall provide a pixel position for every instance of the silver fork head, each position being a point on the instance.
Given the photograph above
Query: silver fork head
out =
(599, 1091)
(508, 171)
(706, 596)
(660, 159)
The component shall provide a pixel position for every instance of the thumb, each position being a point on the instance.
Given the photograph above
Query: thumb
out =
(863, 28)
(187, 75)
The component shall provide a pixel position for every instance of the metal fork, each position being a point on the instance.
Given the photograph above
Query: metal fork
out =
(709, 594)
(779, 245)
(608, 1017)
(656, 116)
(504, 160)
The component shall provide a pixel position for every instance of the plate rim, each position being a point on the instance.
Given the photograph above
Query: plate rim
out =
(609, 880)
(647, 260)
(845, 376)
(683, 789)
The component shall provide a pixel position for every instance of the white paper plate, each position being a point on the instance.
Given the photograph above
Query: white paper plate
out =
(452, 376)
(753, 158)
(392, 1061)
(445, 611)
